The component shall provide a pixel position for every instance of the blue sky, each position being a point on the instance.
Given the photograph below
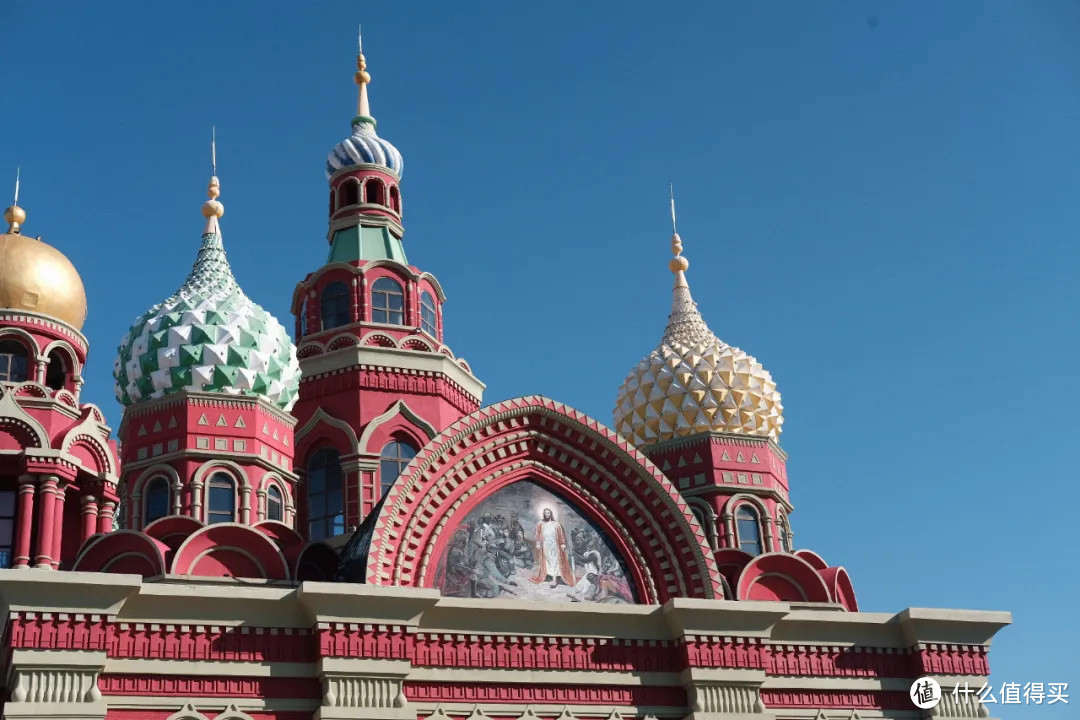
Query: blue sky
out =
(879, 200)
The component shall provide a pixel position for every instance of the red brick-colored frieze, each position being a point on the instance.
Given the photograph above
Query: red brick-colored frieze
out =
(847, 700)
(592, 694)
(213, 686)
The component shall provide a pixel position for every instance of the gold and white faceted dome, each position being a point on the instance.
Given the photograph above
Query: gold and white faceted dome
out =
(695, 382)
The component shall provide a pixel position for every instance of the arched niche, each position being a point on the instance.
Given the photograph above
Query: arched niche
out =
(527, 541)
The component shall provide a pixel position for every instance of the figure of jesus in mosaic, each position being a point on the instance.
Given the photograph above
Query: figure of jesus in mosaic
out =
(554, 560)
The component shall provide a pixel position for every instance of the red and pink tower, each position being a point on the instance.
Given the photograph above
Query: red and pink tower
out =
(378, 380)
(58, 467)
(709, 415)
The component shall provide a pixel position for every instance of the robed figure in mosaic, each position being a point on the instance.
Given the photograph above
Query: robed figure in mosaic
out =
(554, 560)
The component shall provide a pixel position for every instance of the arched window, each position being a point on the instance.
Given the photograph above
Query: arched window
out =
(156, 499)
(333, 200)
(14, 361)
(349, 192)
(427, 313)
(221, 502)
(373, 192)
(7, 528)
(57, 371)
(784, 532)
(387, 301)
(303, 318)
(392, 460)
(326, 501)
(395, 199)
(335, 305)
(275, 508)
(748, 529)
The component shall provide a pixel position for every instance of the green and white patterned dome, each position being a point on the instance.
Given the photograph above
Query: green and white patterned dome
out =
(208, 336)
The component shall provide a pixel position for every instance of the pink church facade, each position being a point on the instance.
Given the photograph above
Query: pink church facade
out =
(334, 525)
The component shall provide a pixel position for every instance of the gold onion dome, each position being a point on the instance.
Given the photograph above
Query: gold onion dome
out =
(36, 277)
(694, 382)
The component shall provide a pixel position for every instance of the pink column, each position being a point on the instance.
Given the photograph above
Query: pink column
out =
(24, 522)
(89, 516)
(105, 517)
(58, 523)
(46, 519)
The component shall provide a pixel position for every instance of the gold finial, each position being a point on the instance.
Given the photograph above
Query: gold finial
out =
(678, 264)
(212, 208)
(15, 215)
(362, 78)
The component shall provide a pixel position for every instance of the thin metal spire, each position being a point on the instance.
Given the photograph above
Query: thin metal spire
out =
(671, 189)
(359, 40)
(213, 150)
(17, 172)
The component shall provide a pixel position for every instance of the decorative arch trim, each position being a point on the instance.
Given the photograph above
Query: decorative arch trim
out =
(224, 538)
(796, 571)
(73, 356)
(32, 348)
(13, 415)
(302, 441)
(400, 410)
(538, 432)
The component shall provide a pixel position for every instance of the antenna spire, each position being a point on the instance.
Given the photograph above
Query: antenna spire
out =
(212, 209)
(362, 78)
(213, 150)
(15, 215)
(671, 190)
(678, 264)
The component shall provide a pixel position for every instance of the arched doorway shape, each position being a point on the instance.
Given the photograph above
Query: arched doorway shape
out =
(639, 509)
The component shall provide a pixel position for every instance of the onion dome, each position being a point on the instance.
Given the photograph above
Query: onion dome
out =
(363, 147)
(695, 382)
(37, 277)
(208, 336)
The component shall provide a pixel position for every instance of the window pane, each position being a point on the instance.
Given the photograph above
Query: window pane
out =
(4, 361)
(7, 503)
(7, 531)
(378, 316)
(396, 317)
(396, 302)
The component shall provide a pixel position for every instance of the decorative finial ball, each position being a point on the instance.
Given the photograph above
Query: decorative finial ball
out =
(214, 189)
(212, 208)
(15, 214)
(676, 244)
(679, 264)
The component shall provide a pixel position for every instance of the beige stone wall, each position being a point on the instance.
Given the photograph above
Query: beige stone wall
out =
(82, 644)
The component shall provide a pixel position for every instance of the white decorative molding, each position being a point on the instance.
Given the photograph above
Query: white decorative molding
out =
(37, 684)
(352, 691)
(233, 713)
(188, 712)
(725, 698)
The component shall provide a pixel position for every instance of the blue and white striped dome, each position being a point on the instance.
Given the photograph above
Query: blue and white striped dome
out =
(364, 147)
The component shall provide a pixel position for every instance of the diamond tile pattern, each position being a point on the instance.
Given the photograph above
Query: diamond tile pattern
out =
(695, 382)
(207, 336)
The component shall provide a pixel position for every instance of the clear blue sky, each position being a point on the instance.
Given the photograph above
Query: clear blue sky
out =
(879, 200)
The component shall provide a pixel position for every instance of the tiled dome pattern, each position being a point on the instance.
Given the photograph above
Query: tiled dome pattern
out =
(364, 147)
(208, 336)
(694, 382)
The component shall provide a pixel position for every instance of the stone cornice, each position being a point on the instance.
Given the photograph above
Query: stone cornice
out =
(203, 399)
(58, 326)
(391, 360)
(724, 437)
(133, 466)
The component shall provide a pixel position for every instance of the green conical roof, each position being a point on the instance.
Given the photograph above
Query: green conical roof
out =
(207, 336)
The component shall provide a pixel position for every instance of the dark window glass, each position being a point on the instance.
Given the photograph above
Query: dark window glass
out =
(335, 305)
(7, 528)
(395, 199)
(303, 318)
(326, 498)
(274, 506)
(350, 190)
(785, 533)
(56, 372)
(373, 192)
(393, 459)
(222, 500)
(749, 529)
(157, 499)
(387, 302)
(427, 313)
(14, 361)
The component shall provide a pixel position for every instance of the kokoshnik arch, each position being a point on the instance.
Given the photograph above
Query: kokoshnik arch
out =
(340, 528)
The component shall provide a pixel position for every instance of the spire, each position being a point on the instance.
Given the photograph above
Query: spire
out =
(362, 78)
(685, 324)
(212, 209)
(15, 215)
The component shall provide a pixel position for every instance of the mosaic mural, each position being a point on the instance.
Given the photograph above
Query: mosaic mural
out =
(524, 542)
